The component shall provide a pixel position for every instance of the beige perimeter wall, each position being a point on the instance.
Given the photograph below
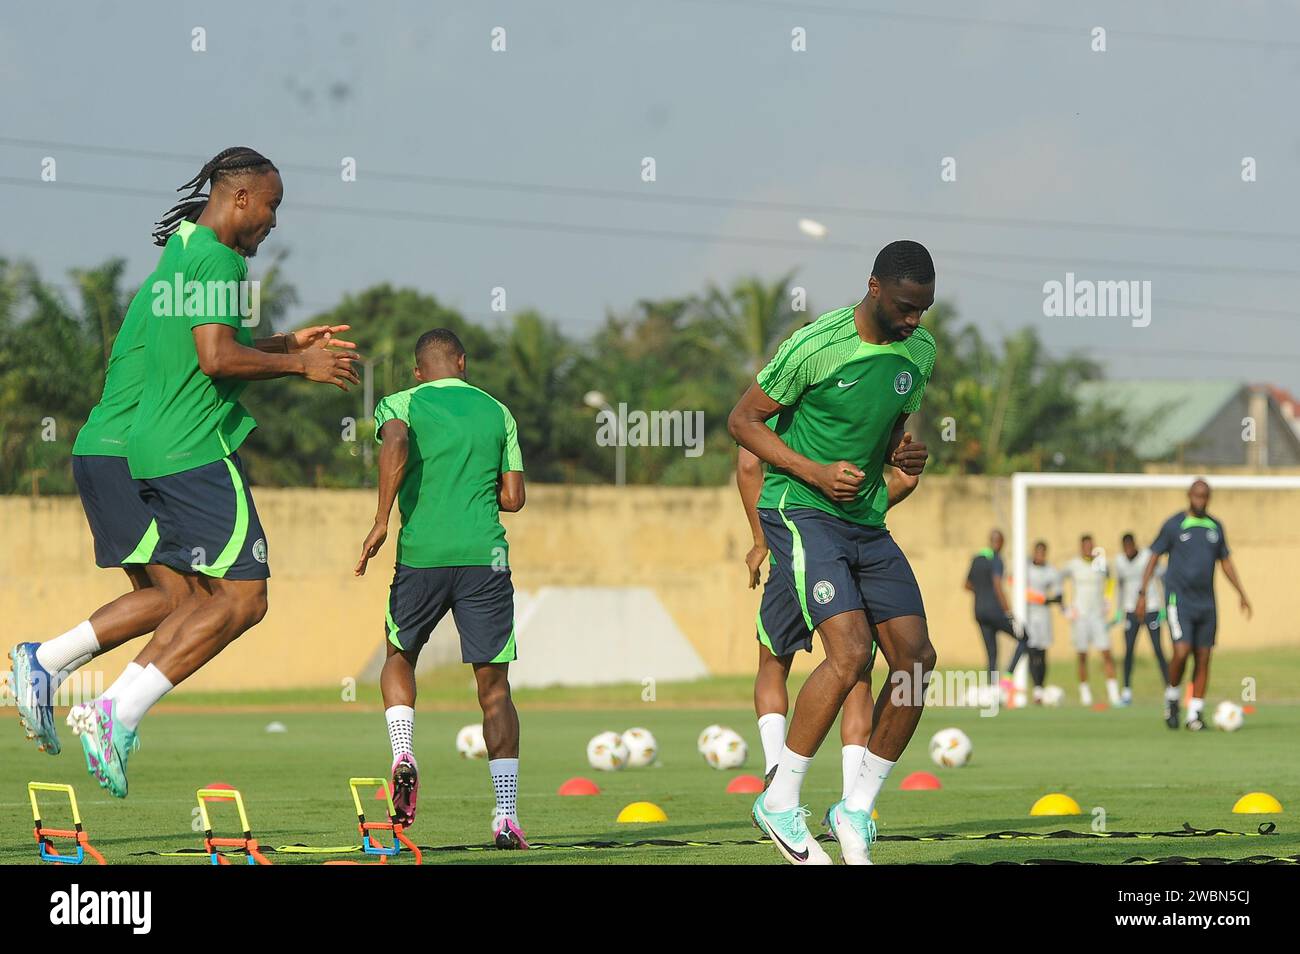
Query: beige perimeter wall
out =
(686, 544)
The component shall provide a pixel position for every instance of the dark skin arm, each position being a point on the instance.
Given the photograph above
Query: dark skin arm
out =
(392, 465)
(290, 342)
(1140, 608)
(749, 481)
(510, 491)
(840, 480)
(1230, 571)
(221, 356)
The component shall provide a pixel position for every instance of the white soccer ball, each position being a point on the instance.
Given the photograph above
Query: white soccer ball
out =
(470, 744)
(642, 749)
(1229, 716)
(950, 748)
(727, 750)
(607, 752)
(1053, 696)
(706, 737)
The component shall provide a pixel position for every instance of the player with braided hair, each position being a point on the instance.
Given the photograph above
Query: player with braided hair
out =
(157, 468)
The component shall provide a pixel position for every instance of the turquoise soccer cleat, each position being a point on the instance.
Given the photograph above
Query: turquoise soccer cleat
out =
(34, 697)
(789, 832)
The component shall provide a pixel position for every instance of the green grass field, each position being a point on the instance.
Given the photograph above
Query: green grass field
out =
(1125, 762)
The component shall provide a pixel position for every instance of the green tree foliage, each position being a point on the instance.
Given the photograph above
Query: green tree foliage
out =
(990, 408)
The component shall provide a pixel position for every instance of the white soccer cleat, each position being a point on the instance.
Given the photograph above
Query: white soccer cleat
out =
(855, 832)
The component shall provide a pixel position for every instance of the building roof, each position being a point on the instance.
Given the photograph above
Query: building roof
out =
(1167, 413)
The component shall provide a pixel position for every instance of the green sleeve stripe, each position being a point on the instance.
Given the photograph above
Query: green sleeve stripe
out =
(512, 457)
(394, 407)
(774, 372)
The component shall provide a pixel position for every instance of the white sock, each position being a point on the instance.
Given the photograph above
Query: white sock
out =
(401, 730)
(63, 654)
(1171, 693)
(1038, 693)
(1194, 708)
(140, 695)
(851, 764)
(1085, 694)
(505, 783)
(1112, 691)
(132, 670)
(870, 780)
(771, 730)
(783, 794)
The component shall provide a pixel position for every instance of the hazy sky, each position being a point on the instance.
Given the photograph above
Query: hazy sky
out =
(522, 168)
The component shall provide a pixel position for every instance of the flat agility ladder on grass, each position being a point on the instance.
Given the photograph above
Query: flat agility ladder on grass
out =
(77, 833)
(248, 844)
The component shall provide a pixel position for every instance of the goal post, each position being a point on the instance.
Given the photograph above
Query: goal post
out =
(1022, 483)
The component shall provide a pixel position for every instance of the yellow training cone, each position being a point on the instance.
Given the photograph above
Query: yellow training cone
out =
(1257, 803)
(1056, 804)
(642, 812)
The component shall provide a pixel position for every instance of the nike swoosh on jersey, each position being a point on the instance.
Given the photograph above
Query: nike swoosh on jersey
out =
(841, 383)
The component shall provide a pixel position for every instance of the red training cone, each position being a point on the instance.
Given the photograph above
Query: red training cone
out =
(920, 782)
(579, 786)
(745, 785)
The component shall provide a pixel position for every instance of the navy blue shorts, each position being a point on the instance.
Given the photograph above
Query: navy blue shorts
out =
(207, 523)
(832, 566)
(120, 521)
(780, 624)
(481, 600)
(1193, 625)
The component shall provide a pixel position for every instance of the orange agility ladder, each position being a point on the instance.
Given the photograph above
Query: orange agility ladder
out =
(43, 835)
(247, 844)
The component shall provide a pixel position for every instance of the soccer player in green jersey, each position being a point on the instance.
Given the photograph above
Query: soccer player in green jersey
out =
(450, 458)
(193, 352)
(843, 388)
(122, 527)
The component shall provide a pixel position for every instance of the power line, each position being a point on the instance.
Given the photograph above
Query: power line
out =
(676, 235)
(658, 197)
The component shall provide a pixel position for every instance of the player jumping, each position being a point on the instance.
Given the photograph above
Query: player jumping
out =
(450, 458)
(843, 388)
(198, 354)
(1195, 541)
(122, 525)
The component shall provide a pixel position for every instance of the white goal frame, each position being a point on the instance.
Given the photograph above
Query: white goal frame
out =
(1023, 482)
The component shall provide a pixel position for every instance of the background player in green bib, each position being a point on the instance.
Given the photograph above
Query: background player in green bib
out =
(1196, 543)
(198, 352)
(451, 460)
(843, 388)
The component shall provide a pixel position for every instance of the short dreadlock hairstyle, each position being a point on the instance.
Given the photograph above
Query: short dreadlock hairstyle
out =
(904, 261)
(235, 161)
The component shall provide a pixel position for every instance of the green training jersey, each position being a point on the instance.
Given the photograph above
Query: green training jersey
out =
(841, 397)
(185, 418)
(106, 429)
(460, 440)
